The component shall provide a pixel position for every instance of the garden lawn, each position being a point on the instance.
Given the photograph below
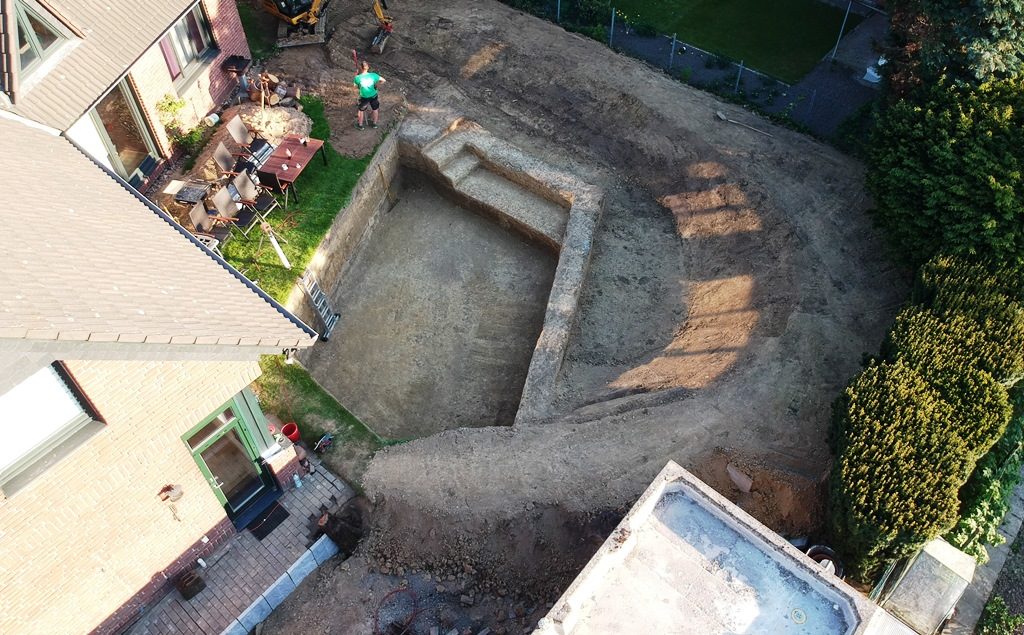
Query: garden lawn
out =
(783, 38)
(323, 191)
(289, 392)
(260, 30)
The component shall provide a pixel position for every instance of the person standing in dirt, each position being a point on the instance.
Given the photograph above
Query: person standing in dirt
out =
(367, 83)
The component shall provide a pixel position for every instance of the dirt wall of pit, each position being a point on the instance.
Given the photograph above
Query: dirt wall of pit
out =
(534, 553)
(350, 229)
(562, 214)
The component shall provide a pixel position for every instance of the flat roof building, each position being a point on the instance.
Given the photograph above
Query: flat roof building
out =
(686, 560)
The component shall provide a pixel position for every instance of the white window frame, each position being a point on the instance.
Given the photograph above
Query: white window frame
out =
(51, 448)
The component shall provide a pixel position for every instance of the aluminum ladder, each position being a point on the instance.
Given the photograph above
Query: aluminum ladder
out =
(321, 303)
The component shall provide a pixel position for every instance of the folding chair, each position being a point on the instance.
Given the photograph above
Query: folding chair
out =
(250, 140)
(230, 163)
(253, 196)
(243, 218)
(212, 231)
(270, 182)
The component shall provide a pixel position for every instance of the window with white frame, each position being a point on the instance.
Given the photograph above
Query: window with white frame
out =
(188, 44)
(41, 417)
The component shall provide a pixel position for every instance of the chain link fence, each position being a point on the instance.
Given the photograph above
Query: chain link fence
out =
(819, 103)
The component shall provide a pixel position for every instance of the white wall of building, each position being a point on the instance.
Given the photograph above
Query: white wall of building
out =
(84, 133)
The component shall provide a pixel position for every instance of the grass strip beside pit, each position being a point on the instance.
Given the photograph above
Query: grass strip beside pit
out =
(324, 190)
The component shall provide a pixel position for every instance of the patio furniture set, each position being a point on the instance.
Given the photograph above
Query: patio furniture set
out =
(255, 175)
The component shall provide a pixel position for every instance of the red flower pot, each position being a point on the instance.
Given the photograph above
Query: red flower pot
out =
(291, 431)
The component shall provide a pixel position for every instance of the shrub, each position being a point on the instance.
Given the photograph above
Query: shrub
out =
(985, 498)
(987, 294)
(945, 353)
(598, 32)
(946, 168)
(853, 132)
(189, 140)
(974, 41)
(996, 619)
(894, 483)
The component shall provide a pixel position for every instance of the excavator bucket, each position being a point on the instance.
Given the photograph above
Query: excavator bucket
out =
(385, 24)
(301, 21)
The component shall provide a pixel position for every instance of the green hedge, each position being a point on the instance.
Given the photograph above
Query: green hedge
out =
(985, 499)
(894, 484)
(922, 438)
(946, 168)
(988, 294)
(947, 354)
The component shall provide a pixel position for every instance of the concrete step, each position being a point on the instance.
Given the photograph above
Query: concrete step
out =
(530, 213)
(460, 166)
(442, 151)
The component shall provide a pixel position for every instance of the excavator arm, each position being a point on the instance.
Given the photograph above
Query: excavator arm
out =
(296, 12)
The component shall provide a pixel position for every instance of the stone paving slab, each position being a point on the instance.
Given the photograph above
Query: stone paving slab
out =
(239, 573)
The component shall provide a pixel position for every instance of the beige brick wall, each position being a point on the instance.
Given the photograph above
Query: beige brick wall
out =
(152, 80)
(84, 537)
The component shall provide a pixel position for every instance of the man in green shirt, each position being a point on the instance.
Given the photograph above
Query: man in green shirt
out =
(367, 82)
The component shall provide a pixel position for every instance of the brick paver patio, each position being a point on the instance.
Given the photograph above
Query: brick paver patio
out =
(239, 572)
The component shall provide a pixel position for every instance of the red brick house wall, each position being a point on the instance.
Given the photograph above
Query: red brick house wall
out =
(80, 541)
(152, 81)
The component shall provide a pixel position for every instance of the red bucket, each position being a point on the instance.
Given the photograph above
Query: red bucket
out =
(291, 431)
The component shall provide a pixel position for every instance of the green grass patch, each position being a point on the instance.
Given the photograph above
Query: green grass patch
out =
(260, 30)
(289, 392)
(323, 190)
(784, 38)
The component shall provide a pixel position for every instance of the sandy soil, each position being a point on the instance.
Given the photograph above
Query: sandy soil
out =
(442, 308)
(354, 597)
(735, 284)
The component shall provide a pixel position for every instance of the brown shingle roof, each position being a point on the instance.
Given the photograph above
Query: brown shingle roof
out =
(115, 33)
(84, 259)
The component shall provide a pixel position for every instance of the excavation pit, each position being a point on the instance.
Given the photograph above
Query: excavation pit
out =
(455, 271)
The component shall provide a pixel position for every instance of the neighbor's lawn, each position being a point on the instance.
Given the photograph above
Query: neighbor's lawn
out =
(784, 38)
(289, 392)
(323, 191)
(260, 29)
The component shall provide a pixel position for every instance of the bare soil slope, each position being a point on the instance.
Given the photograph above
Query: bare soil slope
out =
(735, 284)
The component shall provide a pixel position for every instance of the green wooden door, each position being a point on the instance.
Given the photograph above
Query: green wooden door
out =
(227, 457)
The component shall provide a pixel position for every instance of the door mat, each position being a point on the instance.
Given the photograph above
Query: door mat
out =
(268, 521)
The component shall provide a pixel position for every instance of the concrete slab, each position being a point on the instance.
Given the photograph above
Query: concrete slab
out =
(461, 166)
(302, 567)
(522, 208)
(686, 560)
(235, 628)
(256, 613)
(323, 549)
(279, 590)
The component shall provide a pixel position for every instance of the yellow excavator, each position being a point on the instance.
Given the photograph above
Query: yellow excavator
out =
(303, 22)
(385, 24)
